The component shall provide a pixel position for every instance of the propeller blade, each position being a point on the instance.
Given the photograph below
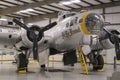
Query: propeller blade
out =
(20, 24)
(49, 26)
(117, 47)
(35, 48)
(107, 31)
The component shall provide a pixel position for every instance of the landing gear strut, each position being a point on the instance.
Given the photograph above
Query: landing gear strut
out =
(22, 62)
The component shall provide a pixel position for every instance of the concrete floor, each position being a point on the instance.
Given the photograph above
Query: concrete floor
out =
(7, 72)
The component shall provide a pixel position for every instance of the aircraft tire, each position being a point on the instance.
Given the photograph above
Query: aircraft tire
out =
(100, 63)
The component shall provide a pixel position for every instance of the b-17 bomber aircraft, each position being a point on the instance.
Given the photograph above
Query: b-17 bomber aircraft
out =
(71, 30)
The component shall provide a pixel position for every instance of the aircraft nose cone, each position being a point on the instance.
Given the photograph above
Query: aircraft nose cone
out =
(94, 23)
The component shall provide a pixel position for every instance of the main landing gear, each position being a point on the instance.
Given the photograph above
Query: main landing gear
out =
(22, 62)
(96, 60)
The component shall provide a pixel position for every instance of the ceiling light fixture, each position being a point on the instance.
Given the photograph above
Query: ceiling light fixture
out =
(67, 2)
(3, 19)
(24, 11)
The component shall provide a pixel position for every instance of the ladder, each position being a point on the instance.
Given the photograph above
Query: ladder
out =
(82, 60)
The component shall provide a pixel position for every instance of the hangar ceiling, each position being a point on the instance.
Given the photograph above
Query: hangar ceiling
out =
(36, 10)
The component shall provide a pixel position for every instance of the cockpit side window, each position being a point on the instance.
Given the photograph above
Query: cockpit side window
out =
(63, 16)
(67, 25)
(68, 15)
(71, 23)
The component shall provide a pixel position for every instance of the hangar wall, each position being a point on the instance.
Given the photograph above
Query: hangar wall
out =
(112, 15)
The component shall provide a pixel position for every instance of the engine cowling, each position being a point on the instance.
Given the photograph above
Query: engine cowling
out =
(27, 37)
(106, 39)
(106, 44)
(34, 35)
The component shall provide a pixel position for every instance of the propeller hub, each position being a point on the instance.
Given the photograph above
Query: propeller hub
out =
(114, 33)
(34, 31)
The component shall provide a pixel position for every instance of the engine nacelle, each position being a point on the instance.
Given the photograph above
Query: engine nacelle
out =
(20, 45)
(106, 38)
(106, 44)
(27, 37)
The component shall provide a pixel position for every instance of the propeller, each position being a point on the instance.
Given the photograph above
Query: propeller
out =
(35, 34)
(34, 37)
(20, 24)
(113, 36)
(35, 46)
(49, 26)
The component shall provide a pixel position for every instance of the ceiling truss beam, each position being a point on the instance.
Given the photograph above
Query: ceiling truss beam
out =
(99, 1)
(54, 15)
(26, 6)
(87, 3)
(58, 7)
(10, 2)
(24, 2)
(42, 11)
